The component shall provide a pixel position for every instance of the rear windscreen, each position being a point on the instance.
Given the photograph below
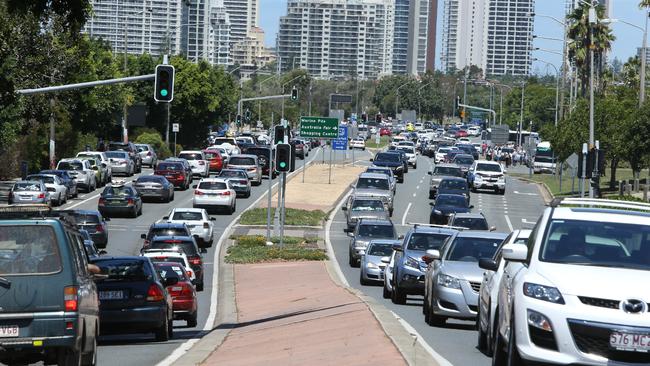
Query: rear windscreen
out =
(86, 219)
(123, 270)
(241, 161)
(212, 185)
(28, 249)
(72, 165)
(190, 156)
(168, 232)
(188, 247)
(187, 216)
(27, 187)
(169, 166)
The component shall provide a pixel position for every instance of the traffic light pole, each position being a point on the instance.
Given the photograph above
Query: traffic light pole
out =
(467, 106)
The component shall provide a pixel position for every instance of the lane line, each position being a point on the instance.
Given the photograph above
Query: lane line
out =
(414, 333)
(509, 223)
(414, 194)
(328, 242)
(406, 213)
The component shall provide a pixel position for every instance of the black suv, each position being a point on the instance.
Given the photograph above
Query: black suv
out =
(49, 307)
(131, 149)
(392, 161)
(165, 229)
(189, 247)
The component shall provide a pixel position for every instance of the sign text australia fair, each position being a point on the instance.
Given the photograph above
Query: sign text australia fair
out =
(319, 127)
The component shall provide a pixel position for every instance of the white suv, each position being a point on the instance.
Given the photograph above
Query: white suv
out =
(581, 296)
(197, 220)
(487, 175)
(199, 164)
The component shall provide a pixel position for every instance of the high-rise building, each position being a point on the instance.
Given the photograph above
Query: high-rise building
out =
(142, 26)
(338, 38)
(572, 4)
(414, 36)
(463, 34)
(206, 32)
(509, 37)
(219, 46)
(244, 15)
(251, 50)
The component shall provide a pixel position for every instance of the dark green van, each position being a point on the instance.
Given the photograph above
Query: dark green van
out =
(48, 300)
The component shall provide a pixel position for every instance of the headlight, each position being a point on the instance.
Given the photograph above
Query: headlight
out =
(540, 292)
(360, 244)
(448, 281)
(437, 212)
(400, 168)
(478, 177)
(372, 265)
(502, 179)
(412, 262)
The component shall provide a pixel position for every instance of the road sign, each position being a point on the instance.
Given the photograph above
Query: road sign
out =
(319, 127)
(176, 127)
(573, 161)
(500, 134)
(340, 98)
(341, 143)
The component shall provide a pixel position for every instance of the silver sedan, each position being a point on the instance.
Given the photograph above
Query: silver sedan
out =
(57, 190)
(29, 192)
(374, 261)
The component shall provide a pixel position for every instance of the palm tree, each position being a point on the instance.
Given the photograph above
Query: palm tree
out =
(579, 35)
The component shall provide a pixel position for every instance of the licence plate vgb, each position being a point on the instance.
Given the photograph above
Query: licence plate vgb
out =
(630, 342)
(9, 331)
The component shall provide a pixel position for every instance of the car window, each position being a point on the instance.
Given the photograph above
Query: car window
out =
(210, 155)
(233, 173)
(116, 155)
(190, 156)
(123, 270)
(86, 219)
(488, 168)
(143, 148)
(464, 160)
(70, 165)
(471, 249)
(377, 231)
(170, 271)
(451, 200)
(237, 160)
(380, 250)
(387, 157)
(472, 223)
(187, 216)
(453, 184)
(42, 178)
(169, 166)
(373, 183)
(367, 205)
(448, 171)
(27, 187)
(426, 241)
(168, 231)
(150, 178)
(212, 185)
(118, 191)
(187, 246)
(28, 249)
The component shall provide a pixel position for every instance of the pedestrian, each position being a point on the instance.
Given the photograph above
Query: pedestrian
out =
(508, 160)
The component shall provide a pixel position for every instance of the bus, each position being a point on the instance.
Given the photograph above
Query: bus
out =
(544, 160)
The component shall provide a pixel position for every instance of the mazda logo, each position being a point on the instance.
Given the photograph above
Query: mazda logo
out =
(633, 306)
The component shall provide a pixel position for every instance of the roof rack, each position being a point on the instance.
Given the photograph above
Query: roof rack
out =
(599, 203)
(36, 211)
(416, 224)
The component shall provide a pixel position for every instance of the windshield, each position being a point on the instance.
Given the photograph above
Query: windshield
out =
(380, 250)
(544, 159)
(169, 166)
(408, 150)
(236, 160)
(448, 171)
(453, 184)
(443, 150)
(451, 200)
(28, 249)
(187, 216)
(387, 157)
(167, 232)
(212, 185)
(233, 173)
(426, 241)
(488, 168)
(472, 223)
(190, 156)
(123, 270)
(142, 147)
(211, 154)
(597, 243)
(117, 155)
(373, 183)
(470, 249)
(122, 191)
(377, 231)
(70, 165)
(367, 205)
(464, 160)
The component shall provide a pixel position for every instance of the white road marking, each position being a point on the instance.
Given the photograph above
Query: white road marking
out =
(414, 194)
(525, 194)
(418, 187)
(528, 222)
(328, 242)
(406, 213)
(509, 223)
(414, 333)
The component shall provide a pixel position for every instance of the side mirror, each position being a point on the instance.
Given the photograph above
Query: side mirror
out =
(95, 167)
(371, 159)
(505, 171)
(347, 230)
(344, 208)
(102, 252)
(493, 228)
(203, 250)
(515, 252)
(143, 236)
(170, 281)
(430, 173)
(431, 255)
(350, 234)
(93, 269)
(400, 237)
(165, 218)
(488, 264)
(432, 204)
(385, 260)
(397, 247)
(471, 206)
(213, 219)
(194, 186)
(107, 219)
(195, 236)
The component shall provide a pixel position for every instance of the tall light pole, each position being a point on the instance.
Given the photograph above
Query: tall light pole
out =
(557, 86)
(501, 86)
(420, 98)
(259, 91)
(397, 95)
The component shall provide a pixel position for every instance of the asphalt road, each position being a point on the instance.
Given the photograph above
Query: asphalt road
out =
(518, 208)
(124, 239)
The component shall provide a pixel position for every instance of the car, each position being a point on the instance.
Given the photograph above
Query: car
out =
(29, 192)
(239, 180)
(263, 158)
(188, 245)
(213, 193)
(365, 231)
(358, 143)
(164, 228)
(487, 298)
(130, 148)
(392, 161)
(57, 190)
(66, 179)
(452, 284)
(374, 261)
(197, 220)
(171, 256)
(375, 185)
(198, 163)
(464, 161)
(388, 272)
(175, 172)
(410, 155)
(299, 149)
(101, 172)
(94, 223)
(154, 187)
(121, 163)
(440, 172)
(119, 199)
(385, 131)
(467, 148)
(454, 185)
(225, 155)
(363, 132)
(214, 158)
(103, 164)
(133, 298)
(364, 207)
(83, 174)
(386, 171)
(248, 163)
(90, 248)
(487, 175)
(474, 131)
(441, 154)
(147, 154)
(409, 267)
(47, 287)
(461, 133)
(470, 221)
(229, 145)
(403, 157)
(465, 139)
(184, 298)
(445, 205)
(451, 155)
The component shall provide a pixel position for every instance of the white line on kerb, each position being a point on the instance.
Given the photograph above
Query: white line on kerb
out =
(414, 333)
(508, 222)
(406, 213)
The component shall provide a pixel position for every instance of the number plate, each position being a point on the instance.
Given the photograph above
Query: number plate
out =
(630, 342)
(8, 331)
(111, 295)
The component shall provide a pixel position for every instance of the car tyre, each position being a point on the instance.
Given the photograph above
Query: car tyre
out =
(473, 189)
(398, 296)
(431, 195)
(162, 333)
(502, 192)
(513, 356)
(385, 293)
(482, 338)
(192, 320)
(498, 353)
(415, 166)
(90, 359)
(69, 357)
(362, 280)
(199, 286)
(134, 214)
(351, 261)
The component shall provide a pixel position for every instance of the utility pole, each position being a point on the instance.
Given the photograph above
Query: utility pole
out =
(643, 62)
(125, 133)
(592, 21)
(521, 111)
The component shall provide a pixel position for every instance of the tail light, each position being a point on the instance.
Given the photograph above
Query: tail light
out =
(41, 195)
(206, 225)
(148, 153)
(155, 293)
(102, 201)
(195, 261)
(129, 201)
(189, 274)
(187, 290)
(99, 228)
(226, 193)
(198, 193)
(70, 298)
(173, 241)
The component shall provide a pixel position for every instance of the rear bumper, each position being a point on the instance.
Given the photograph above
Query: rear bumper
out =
(132, 320)
(115, 210)
(100, 239)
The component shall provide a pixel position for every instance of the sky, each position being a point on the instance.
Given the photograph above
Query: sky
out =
(628, 38)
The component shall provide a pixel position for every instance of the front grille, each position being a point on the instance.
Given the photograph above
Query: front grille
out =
(592, 339)
(602, 303)
(476, 286)
(542, 338)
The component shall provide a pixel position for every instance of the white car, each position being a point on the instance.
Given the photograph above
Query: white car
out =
(57, 190)
(487, 175)
(474, 131)
(213, 193)
(440, 155)
(410, 155)
(199, 164)
(197, 220)
(487, 297)
(228, 143)
(358, 143)
(82, 172)
(396, 140)
(388, 277)
(103, 159)
(464, 140)
(171, 256)
(576, 292)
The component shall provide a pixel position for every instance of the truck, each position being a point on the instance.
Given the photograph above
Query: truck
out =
(544, 159)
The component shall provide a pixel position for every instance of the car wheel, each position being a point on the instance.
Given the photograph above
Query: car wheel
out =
(162, 333)
(90, 359)
(248, 194)
(513, 356)
(398, 296)
(192, 320)
(498, 353)
(431, 195)
(482, 339)
(69, 357)
(362, 280)
(436, 320)
(502, 192)
(415, 166)
(386, 293)
(473, 189)
(390, 212)
(199, 286)
(134, 214)
(351, 261)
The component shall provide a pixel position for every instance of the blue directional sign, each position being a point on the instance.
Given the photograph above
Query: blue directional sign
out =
(341, 143)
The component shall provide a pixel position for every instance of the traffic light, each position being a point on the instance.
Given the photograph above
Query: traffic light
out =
(364, 117)
(294, 94)
(378, 118)
(456, 102)
(238, 120)
(283, 157)
(248, 115)
(164, 84)
(278, 134)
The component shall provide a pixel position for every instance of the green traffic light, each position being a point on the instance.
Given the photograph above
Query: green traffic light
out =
(283, 164)
(163, 92)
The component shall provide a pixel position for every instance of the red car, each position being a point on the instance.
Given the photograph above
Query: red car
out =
(385, 132)
(461, 133)
(175, 173)
(215, 159)
(184, 301)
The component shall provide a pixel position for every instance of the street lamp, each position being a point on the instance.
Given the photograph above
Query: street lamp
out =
(419, 99)
(643, 53)
(259, 103)
(501, 100)
(557, 85)
(397, 95)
